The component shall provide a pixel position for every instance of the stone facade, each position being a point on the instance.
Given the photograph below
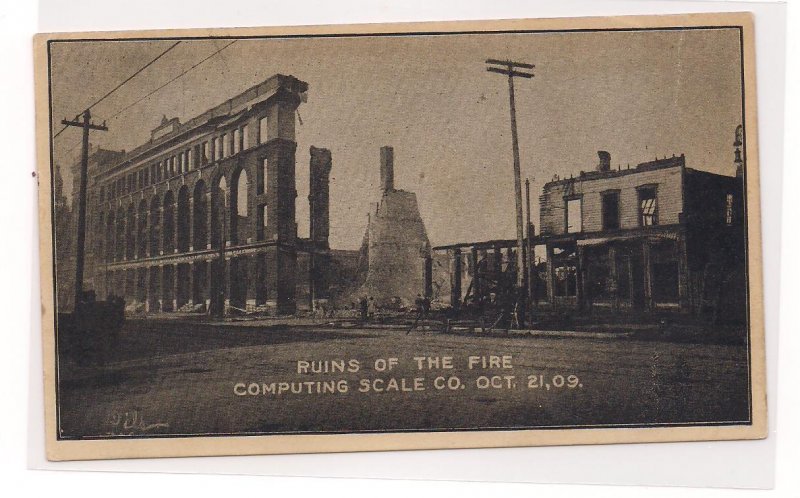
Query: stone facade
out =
(202, 216)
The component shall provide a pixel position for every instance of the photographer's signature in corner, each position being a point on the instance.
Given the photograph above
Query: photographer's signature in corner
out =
(131, 423)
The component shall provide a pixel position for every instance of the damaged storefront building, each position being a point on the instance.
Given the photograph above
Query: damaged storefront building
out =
(659, 236)
(656, 236)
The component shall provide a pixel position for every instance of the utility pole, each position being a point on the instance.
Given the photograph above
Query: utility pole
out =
(508, 68)
(87, 125)
(531, 274)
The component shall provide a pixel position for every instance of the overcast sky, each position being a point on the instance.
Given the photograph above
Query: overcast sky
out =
(637, 95)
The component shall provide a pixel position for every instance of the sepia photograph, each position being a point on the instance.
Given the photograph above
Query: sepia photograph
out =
(435, 235)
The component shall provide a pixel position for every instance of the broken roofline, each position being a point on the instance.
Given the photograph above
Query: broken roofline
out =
(667, 162)
(212, 117)
(620, 234)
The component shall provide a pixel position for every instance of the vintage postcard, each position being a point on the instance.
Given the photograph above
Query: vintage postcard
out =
(402, 236)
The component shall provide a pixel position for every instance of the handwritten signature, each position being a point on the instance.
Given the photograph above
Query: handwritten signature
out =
(131, 423)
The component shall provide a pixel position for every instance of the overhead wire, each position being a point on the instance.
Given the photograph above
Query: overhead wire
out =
(153, 91)
(162, 54)
(170, 81)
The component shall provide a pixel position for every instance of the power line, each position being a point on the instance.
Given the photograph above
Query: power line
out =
(137, 72)
(162, 54)
(170, 81)
(157, 89)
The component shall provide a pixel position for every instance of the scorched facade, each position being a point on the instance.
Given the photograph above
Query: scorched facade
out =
(202, 216)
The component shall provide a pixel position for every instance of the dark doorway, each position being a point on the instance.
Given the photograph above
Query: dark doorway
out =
(665, 272)
(154, 289)
(239, 277)
(217, 294)
(167, 288)
(199, 280)
(184, 279)
(637, 279)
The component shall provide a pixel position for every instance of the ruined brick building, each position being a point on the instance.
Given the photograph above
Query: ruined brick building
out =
(202, 216)
(657, 236)
(660, 235)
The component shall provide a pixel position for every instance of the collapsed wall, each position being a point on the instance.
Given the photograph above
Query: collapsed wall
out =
(396, 243)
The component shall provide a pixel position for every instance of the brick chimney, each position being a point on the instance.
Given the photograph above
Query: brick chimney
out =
(605, 161)
(319, 195)
(387, 168)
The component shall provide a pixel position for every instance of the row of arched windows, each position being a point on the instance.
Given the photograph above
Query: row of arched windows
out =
(179, 223)
(181, 162)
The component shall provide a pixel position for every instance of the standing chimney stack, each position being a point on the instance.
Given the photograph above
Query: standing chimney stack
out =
(605, 161)
(387, 168)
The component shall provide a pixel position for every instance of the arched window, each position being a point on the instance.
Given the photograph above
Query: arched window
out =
(141, 230)
(241, 195)
(240, 226)
(120, 235)
(219, 202)
(110, 226)
(200, 216)
(184, 219)
(155, 226)
(168, 223)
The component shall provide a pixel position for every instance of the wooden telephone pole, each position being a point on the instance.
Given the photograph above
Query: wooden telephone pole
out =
(87, 125)
(529, 259)
(509, 68)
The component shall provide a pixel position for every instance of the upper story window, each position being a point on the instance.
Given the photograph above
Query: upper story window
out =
(648, 206)
(237, 137)
(610, 210)
(217, 148)
(245, 137)
(204, 154)
(226, 145)
(261, 180)
(574, 219)
(729, 209)
(263, 133)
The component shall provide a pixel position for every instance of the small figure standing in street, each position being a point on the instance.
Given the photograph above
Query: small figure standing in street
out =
(363, 308)
(423, 305)
(371, 307)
